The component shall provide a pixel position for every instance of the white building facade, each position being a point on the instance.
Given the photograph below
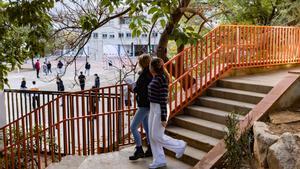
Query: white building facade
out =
(114, 39)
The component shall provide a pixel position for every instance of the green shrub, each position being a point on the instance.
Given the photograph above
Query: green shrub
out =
(239, 149)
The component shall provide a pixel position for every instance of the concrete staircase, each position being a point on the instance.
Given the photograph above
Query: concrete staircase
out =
(203, 123)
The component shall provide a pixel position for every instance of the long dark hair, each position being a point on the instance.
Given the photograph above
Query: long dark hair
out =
(157, 65)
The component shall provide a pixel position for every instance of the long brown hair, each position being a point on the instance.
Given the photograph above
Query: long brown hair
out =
(144, 60)
(157, 66)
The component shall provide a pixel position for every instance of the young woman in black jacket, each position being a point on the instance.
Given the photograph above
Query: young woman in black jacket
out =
(141, 116)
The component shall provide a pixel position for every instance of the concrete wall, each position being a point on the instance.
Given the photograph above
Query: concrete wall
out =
(289, 98)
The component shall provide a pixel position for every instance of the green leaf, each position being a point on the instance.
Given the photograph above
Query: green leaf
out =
(163, 23)
(152, 10)
(132, 25)
(138, 33)
(179, 42)
(111, 9)
(189, 28)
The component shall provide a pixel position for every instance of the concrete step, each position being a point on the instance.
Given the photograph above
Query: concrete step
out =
(210, 114)
(194, 139)
(68, 162)
(206, 127)
(242, 85)
(191, 155)
(119, 160)
(225, 104)
(234, 94)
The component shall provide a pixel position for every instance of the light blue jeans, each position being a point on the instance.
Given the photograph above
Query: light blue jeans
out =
(141, 116)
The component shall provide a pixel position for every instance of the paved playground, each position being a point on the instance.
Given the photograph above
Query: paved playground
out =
(109, 75)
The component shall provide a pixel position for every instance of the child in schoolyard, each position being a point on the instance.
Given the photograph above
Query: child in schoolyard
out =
(81, 79)
(37, 67)
(35, 97)
(23, 84)
(158, 96)
(60, 67)
(49, 67)
(45, 69)
(127, 92)
(60, 84)
(97, 81)
(141, 116)
(87, 68)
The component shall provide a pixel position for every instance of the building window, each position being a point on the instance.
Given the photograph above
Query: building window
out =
(125, 20)
(95, 35)
(104, 36)
(128, 35)
(154, 34)
(111, 36)
(121, 35)
(144, 35)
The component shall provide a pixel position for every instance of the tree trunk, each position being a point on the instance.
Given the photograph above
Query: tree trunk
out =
(164, 39)
(32, 62)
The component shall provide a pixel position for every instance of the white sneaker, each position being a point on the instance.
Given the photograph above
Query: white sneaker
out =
(180, 154)
(154, 166)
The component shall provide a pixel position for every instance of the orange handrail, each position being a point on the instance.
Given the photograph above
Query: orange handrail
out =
(227, 46)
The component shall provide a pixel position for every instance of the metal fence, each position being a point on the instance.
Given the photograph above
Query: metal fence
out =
(83, 123)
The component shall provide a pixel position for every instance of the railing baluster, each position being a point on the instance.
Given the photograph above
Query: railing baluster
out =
(78, 123)
(104, 117)
(5, 141)
(44, 136)
(31, 141)
(83, 123)
(72, 124)
(57, 126)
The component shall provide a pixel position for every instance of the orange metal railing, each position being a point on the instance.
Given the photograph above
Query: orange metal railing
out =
(82, 123)
(227, 46)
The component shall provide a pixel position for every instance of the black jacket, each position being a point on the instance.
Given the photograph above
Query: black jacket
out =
(97, 82)
(60, 86)
(141, 88)
(23, 84)
(60, 65)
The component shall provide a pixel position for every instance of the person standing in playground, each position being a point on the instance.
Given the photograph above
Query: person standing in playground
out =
(23, 84)
(37, 67)
(49, 67)
(87, 68)
(36, 96)
(60, 67)
(97, 81)
(60, 84)
(81, 79)
(44, 66)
